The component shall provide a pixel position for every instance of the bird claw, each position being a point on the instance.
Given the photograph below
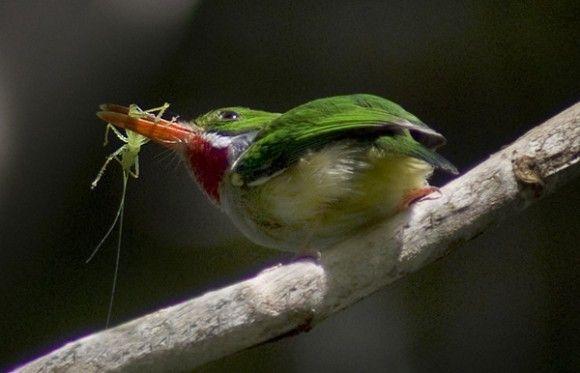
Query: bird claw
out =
(308, 255)
(418, 195)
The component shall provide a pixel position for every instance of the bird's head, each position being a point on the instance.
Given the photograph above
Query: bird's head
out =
(234, 121)
(210, 144)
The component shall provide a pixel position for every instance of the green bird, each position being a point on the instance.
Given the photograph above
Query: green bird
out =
(306, 179)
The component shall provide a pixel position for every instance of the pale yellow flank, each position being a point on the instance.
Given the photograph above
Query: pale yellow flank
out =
(328, 194)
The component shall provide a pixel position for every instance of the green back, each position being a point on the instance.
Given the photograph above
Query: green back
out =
(317, 123)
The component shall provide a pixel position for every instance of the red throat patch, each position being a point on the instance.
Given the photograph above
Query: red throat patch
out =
(208, 163)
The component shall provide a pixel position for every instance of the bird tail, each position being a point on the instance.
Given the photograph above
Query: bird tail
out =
(406, 145)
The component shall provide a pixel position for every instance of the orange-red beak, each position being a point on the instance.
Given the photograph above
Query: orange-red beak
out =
(168, 133)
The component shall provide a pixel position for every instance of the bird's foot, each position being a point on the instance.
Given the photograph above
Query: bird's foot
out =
(417, 195)
(306, 254)
(306, 251)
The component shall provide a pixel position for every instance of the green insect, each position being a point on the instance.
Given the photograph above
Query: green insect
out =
(128, 157)
(128, 154)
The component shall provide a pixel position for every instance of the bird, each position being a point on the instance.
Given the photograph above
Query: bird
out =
(308, 178)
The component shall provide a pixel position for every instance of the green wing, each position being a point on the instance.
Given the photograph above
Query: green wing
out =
(317, 123)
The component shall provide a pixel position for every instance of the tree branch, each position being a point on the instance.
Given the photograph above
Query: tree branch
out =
(292, 297)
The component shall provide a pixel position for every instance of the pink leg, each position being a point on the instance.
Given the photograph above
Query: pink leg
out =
(416, 195)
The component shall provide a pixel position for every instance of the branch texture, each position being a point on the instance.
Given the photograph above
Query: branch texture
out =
(293, 297)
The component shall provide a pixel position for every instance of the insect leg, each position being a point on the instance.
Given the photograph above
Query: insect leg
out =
(117, 216)
(115, 131)
(135, 173)
(161, 110)
(107, 161)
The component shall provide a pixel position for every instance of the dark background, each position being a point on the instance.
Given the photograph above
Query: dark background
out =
(482, 73)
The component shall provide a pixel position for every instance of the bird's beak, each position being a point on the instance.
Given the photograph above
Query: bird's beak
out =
(168, 133)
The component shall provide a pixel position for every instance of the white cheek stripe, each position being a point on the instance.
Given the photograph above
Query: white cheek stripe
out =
(217, 140)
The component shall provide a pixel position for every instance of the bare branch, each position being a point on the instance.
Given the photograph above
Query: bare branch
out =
(295, 296)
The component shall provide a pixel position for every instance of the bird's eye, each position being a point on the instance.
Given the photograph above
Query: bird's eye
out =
(229, 115)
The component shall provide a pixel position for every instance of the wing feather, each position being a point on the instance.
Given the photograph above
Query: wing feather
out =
(312, 126)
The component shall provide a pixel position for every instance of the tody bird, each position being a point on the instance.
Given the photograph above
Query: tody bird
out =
(306, 179)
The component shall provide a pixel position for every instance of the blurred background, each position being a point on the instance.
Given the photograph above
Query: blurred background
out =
(482, 73)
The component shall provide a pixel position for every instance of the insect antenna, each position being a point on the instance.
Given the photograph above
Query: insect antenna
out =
(117, 259)
(119, 219)
(113, 224)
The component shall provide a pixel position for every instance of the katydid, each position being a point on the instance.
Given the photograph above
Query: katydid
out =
(128, 157)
